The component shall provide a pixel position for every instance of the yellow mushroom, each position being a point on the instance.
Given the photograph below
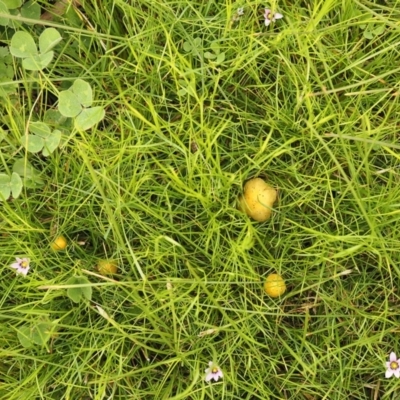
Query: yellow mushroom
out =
(257, 199)
(107, 267)
(60, 243)
(274, 285)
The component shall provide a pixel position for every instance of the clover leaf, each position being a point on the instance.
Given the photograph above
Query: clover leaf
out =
(38, 334)
(10, 185)
(23, 46)
(76, 293)
(41, 138)
(76, 102)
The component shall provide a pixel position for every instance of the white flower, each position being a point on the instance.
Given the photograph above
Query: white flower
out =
(393, 366)
(213, 372)
(237, 15)
(269, 16)
(22, 265)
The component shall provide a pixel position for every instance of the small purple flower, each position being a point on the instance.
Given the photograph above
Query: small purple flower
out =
(213, 372)
(393, 366)
(269, 16)
(22, 265)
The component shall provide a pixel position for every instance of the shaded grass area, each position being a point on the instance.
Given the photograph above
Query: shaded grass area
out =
(310, 105)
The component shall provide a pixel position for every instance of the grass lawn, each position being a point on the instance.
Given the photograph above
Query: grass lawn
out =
(199, 98)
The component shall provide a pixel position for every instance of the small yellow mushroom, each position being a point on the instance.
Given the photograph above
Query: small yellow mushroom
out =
(60, 243)
(258, 199)
(107, 267)
(274, 285)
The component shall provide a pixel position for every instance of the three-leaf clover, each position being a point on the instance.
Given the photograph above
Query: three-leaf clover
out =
(372, 30)
(77, 292)
(23, 46)
(38, 334)
(216, 54)
(10, 185)
(76, 102)
(193, 46)
(41, 138)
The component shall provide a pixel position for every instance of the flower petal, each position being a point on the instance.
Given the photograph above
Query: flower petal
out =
(15, 265)
(392, 356)
(278, 16)
(396, 373)
(267, 21)
(23, 271)
(208, 377)
(389, 373)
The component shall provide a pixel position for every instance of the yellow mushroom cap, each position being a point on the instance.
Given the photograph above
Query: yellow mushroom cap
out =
(274, 285)
(107, 267)
(258, 199)
(60, 243)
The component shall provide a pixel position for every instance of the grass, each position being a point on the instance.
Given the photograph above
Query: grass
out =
(310, 105)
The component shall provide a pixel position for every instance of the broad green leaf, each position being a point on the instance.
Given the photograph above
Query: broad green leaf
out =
(23, 45)
(54, 117)
(40, 129)
(15, 185)
(41, 332)
(4, 10)
(379, 30)
(4, 187)
(209, 55)
(23, 167)
(48, 39)
(68, 104)
(31, 10)
(37, 62)
(76, 293)
(86, 290)
(24, 336)
(45, 59)
(89, 117)
(197, 42)
(215, 46)
(187, 47)
(32, 63)
(368, 35)
(11, 4)
(83, 92)
(220, 58)
(51, 142)
(32, 143)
